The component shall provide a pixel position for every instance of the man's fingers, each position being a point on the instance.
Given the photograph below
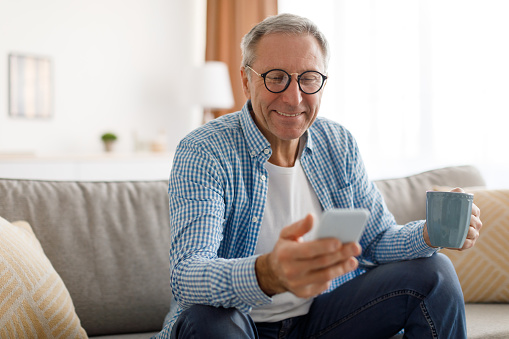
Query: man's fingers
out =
(306, 268)
(328, 259)
(473, 230)
(318, 281)
(298, 228)
(476, 211)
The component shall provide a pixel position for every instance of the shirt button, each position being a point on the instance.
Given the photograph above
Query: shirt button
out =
(263, 177)
(266, 151)
(255, 219)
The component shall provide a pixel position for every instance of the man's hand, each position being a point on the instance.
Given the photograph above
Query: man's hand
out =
(473, 231)
(304, 268)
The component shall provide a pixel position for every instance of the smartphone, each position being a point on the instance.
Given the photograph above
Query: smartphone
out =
(345, 224)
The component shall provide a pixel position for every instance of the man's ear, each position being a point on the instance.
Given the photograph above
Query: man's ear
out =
(245, 82)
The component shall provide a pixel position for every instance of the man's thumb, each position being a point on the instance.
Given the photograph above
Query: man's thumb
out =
(298, 228)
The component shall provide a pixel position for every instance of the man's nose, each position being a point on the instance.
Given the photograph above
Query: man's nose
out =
(293, 95)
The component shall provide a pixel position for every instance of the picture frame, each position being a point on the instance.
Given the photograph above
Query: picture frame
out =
(30, 86)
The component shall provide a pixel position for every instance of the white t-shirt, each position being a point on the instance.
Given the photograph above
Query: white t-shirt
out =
(290, 197)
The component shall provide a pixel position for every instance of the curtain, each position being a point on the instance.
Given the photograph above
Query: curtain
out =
(227, 22)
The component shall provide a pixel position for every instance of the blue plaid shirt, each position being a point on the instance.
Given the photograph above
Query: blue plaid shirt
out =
(218, 188)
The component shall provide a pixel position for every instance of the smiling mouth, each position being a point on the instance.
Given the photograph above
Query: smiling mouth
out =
(288, 114)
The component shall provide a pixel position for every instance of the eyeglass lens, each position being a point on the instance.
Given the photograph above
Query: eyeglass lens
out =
(278, 80)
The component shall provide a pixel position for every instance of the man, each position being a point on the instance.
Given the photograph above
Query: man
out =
(238, 272)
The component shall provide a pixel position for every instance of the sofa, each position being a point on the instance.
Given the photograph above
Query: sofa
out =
(91, 258)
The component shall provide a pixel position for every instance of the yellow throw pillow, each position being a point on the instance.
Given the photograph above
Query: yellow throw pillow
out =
(483, 271)
(34, 302)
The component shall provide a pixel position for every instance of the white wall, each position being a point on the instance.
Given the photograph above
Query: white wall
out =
(118, 65)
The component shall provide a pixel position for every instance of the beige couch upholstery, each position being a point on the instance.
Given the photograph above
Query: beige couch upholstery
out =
(109, 243)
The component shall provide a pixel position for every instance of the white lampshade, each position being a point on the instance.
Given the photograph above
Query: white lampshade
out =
(214, 88)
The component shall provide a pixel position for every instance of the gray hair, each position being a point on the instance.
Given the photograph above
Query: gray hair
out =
(283, 23)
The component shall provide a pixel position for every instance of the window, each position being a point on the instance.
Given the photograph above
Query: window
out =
(421, 84)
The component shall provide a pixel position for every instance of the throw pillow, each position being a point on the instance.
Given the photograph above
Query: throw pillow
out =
(483, 271)
(34, 302)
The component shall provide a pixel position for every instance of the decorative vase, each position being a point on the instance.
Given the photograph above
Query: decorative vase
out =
(108, 145)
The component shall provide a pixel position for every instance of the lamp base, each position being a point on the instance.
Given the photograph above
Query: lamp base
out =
(207, 115)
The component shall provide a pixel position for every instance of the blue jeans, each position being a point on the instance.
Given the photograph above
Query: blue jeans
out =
(421, 296)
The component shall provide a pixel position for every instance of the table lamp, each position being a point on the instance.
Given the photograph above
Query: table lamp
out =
(214, 88)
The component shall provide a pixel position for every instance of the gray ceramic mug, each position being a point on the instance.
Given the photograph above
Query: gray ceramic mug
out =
(448, 217)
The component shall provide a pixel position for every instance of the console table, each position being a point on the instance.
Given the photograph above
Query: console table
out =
(87, 167)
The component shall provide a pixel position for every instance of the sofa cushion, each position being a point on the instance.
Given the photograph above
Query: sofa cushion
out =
(34, 299)
(487, 321)
(109, 241)
(406, 197)
(483, 271)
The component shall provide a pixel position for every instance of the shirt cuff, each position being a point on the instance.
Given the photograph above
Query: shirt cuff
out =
(245, 284)
(420, 246)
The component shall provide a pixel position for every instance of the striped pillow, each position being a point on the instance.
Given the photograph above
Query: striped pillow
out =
(483, 271)
(34, 302)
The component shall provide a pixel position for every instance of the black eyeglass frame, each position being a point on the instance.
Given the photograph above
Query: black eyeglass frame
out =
(263, 75)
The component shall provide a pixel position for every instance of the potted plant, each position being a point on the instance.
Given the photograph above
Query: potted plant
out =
(108, 140)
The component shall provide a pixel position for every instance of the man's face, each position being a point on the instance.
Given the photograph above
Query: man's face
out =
(287, 115)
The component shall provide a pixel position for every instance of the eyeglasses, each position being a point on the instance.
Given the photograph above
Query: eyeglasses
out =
(278, 80)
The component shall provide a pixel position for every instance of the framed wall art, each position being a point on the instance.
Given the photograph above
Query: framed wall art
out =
(30, 86)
